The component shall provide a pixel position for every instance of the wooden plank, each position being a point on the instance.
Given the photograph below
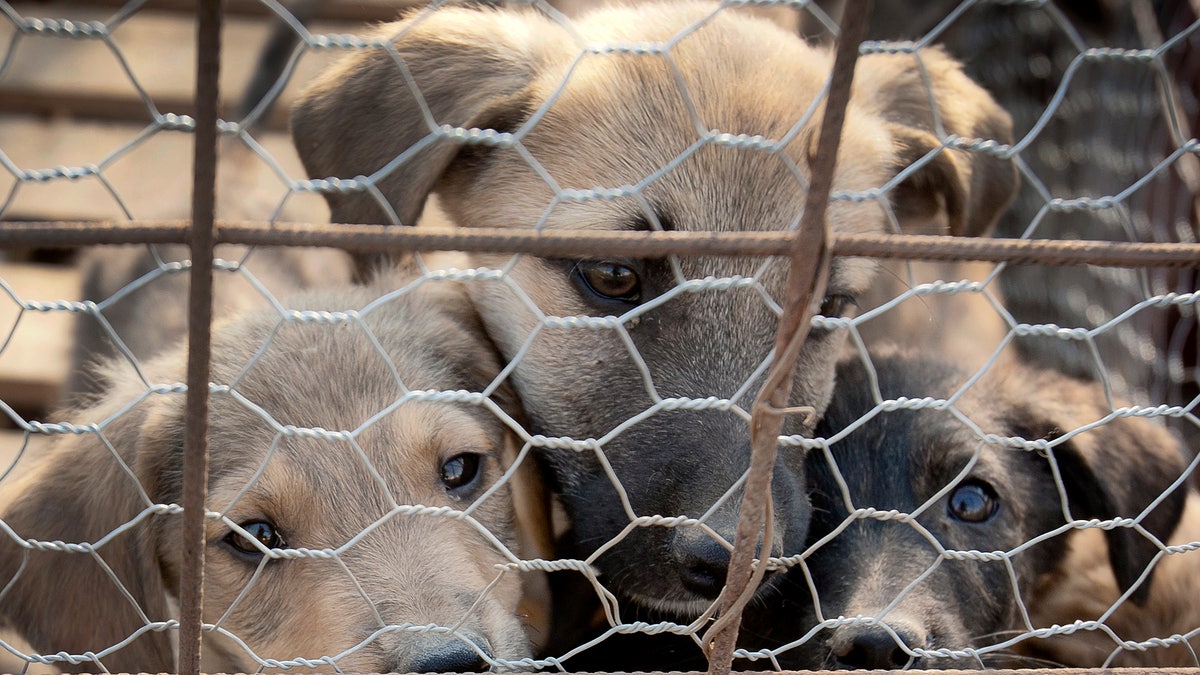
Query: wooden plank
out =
(112, 107)
(36, 345)
(33, 100)
(153, 180)
(359, 11)
(159, 51)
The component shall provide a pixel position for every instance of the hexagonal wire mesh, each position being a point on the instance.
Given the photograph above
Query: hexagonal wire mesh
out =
(532, 454)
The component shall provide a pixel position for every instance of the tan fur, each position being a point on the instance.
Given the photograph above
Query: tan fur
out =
(1084, 588)
(583, 118)
(414, 569)
(621, 118)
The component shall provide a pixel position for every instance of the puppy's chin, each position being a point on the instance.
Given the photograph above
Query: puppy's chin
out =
(683, 608)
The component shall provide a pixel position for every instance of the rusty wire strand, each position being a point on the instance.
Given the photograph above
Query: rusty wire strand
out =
(807, 274)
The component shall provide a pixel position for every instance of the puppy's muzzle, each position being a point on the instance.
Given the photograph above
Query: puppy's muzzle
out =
(451, 656)
(873, 647)
(703, 562)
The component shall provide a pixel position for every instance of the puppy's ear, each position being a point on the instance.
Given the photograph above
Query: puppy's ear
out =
(457, 66)
(923, 97)
(1113, 471)
(81, 494)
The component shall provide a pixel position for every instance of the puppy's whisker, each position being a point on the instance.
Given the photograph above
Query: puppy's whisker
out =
(1002, 659)
(987, 638)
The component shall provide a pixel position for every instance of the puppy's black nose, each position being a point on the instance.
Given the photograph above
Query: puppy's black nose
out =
(453, 657)
(873, 647)
(703, 563)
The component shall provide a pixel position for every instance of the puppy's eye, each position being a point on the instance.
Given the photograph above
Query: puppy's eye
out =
(973, 502)
(461, 471)
(837, 305)
(610, 280)
(263, 531)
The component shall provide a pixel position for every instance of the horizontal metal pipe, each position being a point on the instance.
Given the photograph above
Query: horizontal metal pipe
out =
(559, 243)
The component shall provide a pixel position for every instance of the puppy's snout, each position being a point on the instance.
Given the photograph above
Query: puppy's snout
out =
(872, 647)
(703, 562)
(454, 656)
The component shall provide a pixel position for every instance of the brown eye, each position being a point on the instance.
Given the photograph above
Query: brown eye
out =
(973, 502)
(610, 280)
(262, 531)
(460, 471)
(837, 305)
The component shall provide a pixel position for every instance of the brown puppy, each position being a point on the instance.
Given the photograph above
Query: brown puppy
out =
(672, 116)
(1162, 632)
(954, 479)
(377, 568)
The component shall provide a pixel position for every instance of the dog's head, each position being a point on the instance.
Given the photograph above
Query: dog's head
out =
(381, 568)
(957, 487)
(694, 120)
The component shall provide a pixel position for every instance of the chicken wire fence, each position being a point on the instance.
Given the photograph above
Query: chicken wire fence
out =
(533, 454)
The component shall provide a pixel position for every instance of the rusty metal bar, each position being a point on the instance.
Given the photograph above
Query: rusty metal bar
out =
(807, 273)
(1018, 251)
(582, 244)
(200, 301)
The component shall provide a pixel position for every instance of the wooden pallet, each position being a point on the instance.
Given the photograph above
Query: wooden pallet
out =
(85, 77)
(36, 344)
(71, 103)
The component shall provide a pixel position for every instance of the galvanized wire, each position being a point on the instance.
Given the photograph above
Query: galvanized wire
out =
(273, 232)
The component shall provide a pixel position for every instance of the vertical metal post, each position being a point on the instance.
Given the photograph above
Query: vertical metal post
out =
(809, 269)
(195, 454)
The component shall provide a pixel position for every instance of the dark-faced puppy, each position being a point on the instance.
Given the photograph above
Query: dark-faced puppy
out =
(933, 521)
(349, 509)
(670, 116)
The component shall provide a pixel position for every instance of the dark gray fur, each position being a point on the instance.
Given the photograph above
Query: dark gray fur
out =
(900, 460)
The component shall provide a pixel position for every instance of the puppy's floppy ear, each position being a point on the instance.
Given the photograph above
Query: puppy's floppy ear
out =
(1115, 470)
(469, 66)
(79, 494)
(477, 356)
(925, 95)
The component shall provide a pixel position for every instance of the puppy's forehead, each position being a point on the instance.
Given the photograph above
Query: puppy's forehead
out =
(414, 430)
(714, 125)
(943, 444)
(402, 452)
(337, 376)
(623, 119)
(429, 433)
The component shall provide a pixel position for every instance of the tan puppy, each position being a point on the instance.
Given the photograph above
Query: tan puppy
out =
(279, 481)
(673, 116)
(1084, 589)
